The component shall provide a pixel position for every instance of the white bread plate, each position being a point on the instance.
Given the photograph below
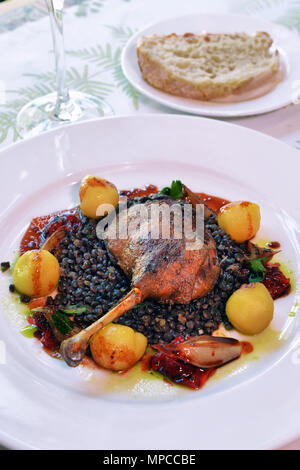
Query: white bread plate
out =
(284, 93)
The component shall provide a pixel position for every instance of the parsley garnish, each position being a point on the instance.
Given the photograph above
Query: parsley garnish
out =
(258, 269)
(62, 323)
(174, 191)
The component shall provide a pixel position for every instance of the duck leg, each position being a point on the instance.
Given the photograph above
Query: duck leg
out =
(73, 349)
(192, 198)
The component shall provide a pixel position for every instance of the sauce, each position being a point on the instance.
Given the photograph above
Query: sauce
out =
(213, 202)
(180, 372)
(273, 245)
(263, 345)
(247, 347)
(275, 281)
(139, 192)
(183, 373)
(44, 332)
(41, 227)
(146, 362)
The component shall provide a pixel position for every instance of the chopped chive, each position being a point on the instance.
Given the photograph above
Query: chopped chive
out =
(29, 330)
(73, 310)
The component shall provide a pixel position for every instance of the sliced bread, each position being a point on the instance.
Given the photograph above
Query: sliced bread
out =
(206, 66)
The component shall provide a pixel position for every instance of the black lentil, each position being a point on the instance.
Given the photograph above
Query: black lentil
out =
(25, 298)
(5, 265)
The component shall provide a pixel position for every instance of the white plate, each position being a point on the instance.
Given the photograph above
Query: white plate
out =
(46, 405)
(286, 41)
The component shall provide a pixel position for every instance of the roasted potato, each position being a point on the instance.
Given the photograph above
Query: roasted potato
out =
(117, 347)
(95, 192)
(36, 273)
(250, 308)
(241, 220)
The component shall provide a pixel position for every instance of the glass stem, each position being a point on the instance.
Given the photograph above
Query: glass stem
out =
(55, 8)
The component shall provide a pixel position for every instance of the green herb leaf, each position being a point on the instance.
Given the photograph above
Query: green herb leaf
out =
(166, 190)
(259, 270)
(73, 310)
(174, 191)
(256, 265)
(62, 323)
(29, 331)
(257, 277)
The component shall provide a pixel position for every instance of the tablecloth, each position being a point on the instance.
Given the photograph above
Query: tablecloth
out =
(95, 33)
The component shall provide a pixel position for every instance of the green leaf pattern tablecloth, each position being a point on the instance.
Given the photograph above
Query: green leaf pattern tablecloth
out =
(95, 33)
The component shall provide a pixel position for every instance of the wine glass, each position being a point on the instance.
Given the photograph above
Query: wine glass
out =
(64, 105)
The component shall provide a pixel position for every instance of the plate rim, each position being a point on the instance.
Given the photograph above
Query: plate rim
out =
(161, 114)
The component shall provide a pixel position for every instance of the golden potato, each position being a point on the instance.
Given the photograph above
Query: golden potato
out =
(117, 347)
(241, 220)
(250, 308)
(94, 192)
(36, 273)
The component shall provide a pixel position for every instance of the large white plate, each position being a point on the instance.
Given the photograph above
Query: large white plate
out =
(46, 405)
(286, 41)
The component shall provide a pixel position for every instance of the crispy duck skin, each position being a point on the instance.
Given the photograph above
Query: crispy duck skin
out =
(164, 269)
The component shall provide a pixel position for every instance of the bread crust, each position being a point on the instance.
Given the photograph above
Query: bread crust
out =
(157, 73)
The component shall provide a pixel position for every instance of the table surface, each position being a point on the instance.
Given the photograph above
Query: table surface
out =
(95, 33)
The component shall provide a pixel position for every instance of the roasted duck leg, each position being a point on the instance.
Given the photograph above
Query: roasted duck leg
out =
(164, 269)
(159, 268)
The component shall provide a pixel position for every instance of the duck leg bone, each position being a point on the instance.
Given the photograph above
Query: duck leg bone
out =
(73, 349)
